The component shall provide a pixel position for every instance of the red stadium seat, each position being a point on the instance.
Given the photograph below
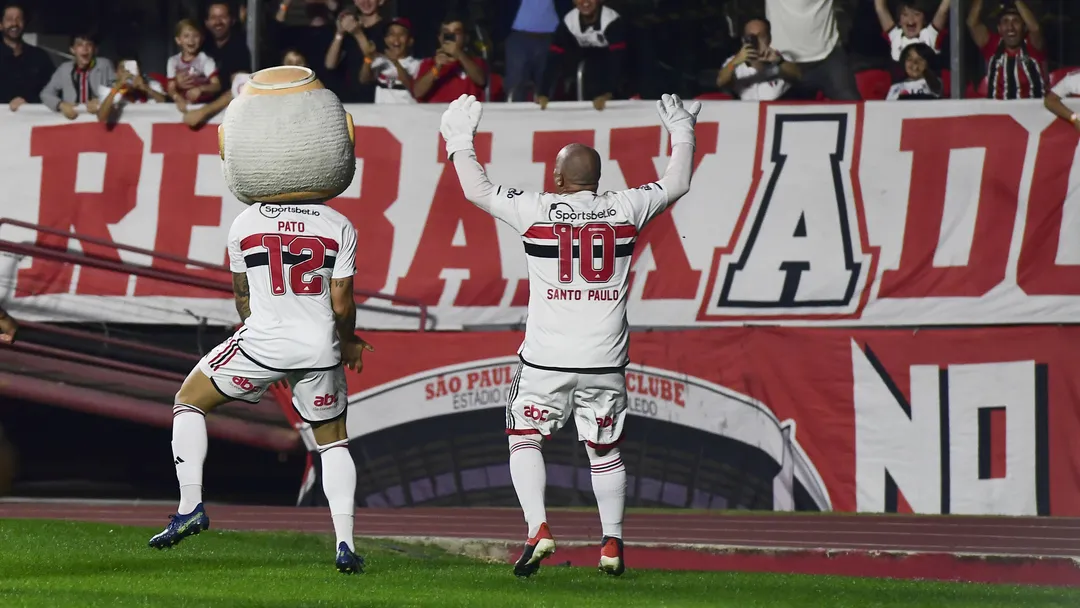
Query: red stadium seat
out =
(976, 93)
(714, 96)
(873, 84)
(946, 83)
(497, 92)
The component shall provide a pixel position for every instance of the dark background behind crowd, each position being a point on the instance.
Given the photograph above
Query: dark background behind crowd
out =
(670, 46)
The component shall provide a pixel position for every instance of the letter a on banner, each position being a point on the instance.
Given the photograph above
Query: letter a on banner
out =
(799, 248)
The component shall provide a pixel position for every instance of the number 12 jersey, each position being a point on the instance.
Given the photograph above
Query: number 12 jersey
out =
(290, 254)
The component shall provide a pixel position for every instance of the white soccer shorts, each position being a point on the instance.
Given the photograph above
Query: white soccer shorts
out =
(319, 395)
(542, 401)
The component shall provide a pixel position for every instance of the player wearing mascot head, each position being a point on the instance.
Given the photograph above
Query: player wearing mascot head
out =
(287, 146)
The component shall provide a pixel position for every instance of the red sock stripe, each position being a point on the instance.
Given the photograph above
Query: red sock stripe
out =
(525, 445)
(608, 467)
(180, 408)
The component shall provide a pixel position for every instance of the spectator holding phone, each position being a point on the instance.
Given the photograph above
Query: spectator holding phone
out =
(452, 72)
(131, 86)
(757, 72)
(77, 82)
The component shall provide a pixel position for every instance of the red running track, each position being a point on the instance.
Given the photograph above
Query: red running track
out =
(819, 544)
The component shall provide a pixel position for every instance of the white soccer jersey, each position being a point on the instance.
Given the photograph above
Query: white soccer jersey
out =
(898, 41)
(1069, 86)
(290, 253)
(390, 89)
(579, 249)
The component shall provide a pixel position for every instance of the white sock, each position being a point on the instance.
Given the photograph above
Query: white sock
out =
(530, 478)
(189, 454)
(609, 486)
(339, 485)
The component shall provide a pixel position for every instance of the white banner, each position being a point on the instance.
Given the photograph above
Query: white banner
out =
(883, 213)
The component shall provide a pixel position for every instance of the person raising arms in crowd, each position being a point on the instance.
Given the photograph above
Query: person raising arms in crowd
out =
(910, 26)
(1015, 54)
(358, 26)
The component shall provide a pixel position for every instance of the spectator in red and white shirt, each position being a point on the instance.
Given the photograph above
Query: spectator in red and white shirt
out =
(910, 26)
(192, 74)
(452, 72)
(1015, 57)
(1069, 86)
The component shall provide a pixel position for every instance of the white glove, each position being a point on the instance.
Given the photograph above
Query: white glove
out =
(459, 123)
(679, 121)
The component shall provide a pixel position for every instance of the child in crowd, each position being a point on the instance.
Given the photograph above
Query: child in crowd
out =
(192, 74)
(920, 80)
(131, 86)
(394, 70)
(910, 26)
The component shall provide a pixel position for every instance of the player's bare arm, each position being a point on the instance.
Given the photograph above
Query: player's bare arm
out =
(8, 327)
(352, 346)
(242, 295)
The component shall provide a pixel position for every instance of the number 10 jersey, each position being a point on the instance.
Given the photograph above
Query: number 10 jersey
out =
(290, 253)
(579, 248)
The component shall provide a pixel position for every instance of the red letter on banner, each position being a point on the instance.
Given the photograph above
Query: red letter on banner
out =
(546, 146)
(1038, 272)
(931, 140)
(674, 279)
(436, 251)
(180, 209)
(88, 213)
(381, 153)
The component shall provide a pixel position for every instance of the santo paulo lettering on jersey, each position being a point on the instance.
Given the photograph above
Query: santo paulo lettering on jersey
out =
(579, 249)
(290, 254)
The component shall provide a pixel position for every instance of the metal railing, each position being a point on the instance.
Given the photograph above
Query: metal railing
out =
(183, 278)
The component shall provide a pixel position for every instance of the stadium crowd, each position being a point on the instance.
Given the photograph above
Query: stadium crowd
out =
(402, 51)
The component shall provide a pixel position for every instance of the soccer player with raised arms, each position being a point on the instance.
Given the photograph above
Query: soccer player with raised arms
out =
(579, 244)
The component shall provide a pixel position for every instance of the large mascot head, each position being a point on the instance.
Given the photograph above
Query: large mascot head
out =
(286, 139)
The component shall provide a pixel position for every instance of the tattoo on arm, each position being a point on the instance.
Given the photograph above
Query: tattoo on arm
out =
(345, 324)
(242, 294)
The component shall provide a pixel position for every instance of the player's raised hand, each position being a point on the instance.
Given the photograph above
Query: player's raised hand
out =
(352, 354)
(459, 123)
(678, 120)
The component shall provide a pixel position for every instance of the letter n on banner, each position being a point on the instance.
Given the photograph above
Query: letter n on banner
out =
(436, 252)
(89, 213)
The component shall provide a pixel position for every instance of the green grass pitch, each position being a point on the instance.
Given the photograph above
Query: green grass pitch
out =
(67, 564)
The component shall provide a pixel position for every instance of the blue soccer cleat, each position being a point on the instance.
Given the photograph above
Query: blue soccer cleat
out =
(181, 527)
(348, 562)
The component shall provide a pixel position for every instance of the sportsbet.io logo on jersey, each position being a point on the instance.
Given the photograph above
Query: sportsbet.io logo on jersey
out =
(561, 212)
